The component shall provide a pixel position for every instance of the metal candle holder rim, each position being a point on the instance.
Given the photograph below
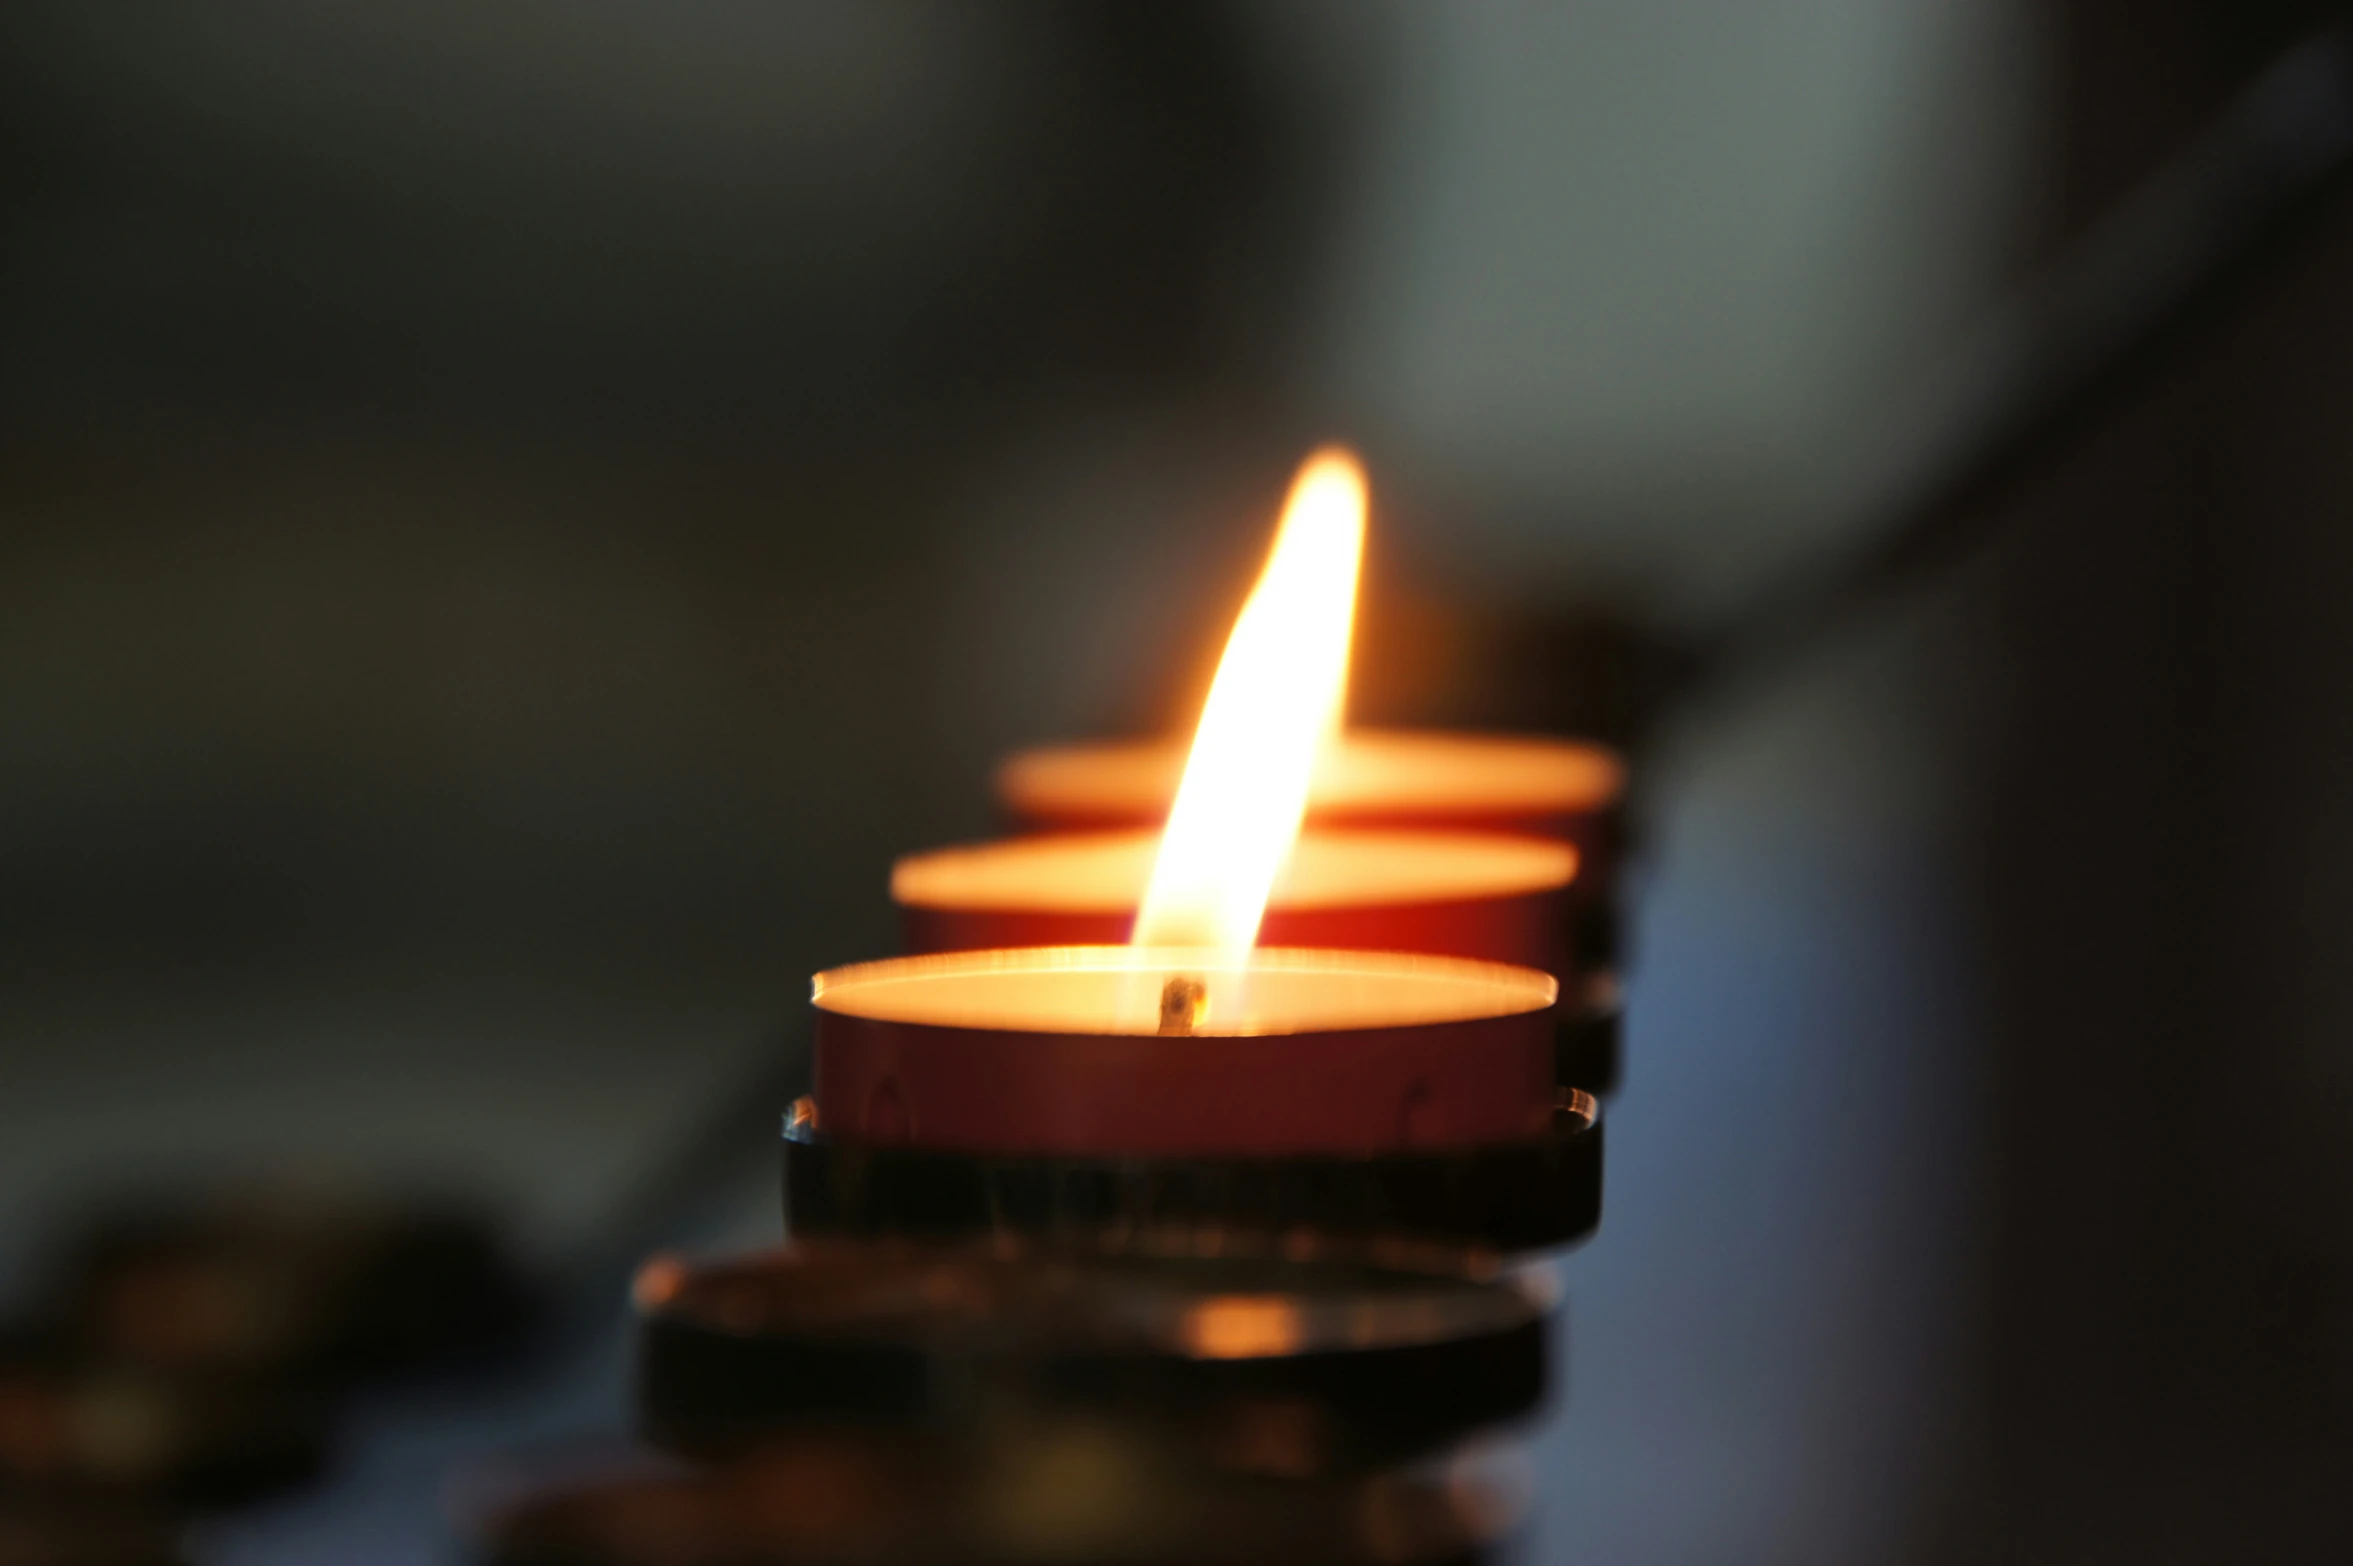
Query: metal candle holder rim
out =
(1531, 1193)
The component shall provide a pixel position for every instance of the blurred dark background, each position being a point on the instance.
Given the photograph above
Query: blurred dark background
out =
(512, 513)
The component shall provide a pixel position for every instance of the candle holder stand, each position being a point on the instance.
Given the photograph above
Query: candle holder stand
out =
(1044, 1496)
(1288, 1362)
(1532, 1193)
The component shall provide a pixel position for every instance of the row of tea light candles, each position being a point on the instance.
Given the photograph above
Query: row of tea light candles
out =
(1290, 939)
(1261, 1039)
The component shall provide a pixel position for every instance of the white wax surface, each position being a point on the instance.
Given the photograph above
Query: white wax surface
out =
(1106, 871)
(1388, 770)
(1116, 989)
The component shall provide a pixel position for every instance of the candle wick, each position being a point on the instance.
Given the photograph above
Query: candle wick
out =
(1184, 1004)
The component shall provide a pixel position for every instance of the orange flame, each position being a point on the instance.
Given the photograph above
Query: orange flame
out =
(1276, 702)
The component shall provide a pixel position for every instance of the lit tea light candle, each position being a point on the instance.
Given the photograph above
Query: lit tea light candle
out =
(1191, 1040)
(1044, 1050)
(1459, 894)
(1194, 1042)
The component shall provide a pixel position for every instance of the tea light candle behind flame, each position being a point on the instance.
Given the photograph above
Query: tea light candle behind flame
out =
(1405, 779)
(1419, 779)
(1425, 778)
(1040, 1050)
(1463, 894)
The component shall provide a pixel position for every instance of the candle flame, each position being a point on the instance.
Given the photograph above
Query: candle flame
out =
(1275, 704)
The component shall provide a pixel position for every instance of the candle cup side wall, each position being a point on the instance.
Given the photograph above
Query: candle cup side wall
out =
(977, 1090)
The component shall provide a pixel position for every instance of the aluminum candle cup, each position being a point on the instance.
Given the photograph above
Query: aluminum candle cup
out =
(1069, 1049)
(1282, 1362)
(1023, 1093)
(1459, 894)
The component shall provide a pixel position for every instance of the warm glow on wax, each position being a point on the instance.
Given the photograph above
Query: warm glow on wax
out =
(1275, 703)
